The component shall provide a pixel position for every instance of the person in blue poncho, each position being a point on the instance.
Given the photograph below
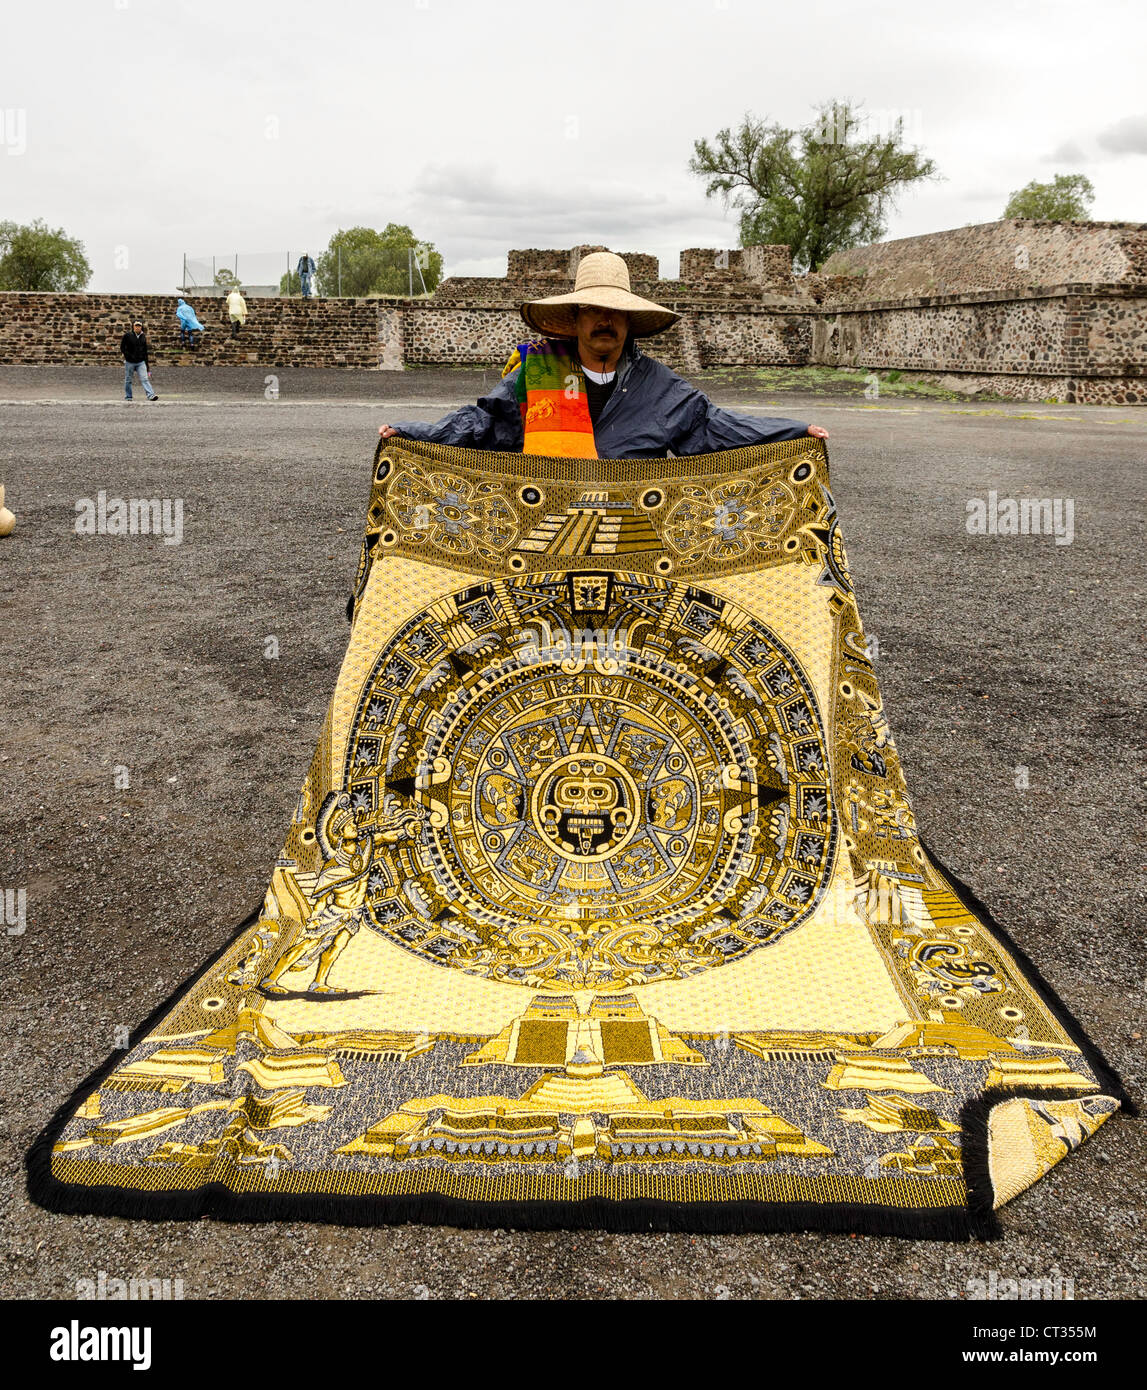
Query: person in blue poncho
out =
(189, 325)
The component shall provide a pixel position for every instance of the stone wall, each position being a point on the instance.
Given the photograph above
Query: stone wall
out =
(1085, 343)
(641, 265)
(525, 265)
(952, 333)
(821, 288)
(745, 338)
(755, 265)
(58, 328)
(482, 334)
(710, 337)
(1107, 327)
(1007, 255)
(536, 264)
(1080, 338)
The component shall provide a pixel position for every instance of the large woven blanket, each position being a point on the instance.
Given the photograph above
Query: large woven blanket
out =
(602, 904)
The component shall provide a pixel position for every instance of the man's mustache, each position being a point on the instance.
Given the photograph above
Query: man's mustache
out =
(605, 328)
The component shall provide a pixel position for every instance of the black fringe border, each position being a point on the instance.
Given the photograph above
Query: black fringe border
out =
(976, 1113)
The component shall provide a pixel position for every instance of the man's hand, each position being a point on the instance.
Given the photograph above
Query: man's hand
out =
(818, 432)
(387, 431)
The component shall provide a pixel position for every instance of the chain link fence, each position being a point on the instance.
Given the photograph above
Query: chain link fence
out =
(266, 274)
(259, 274)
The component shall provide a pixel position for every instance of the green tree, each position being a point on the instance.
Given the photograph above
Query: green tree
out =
(290, 283)
(227, 278)
(35, 257)
(374, 263)
(820, 189)
(1068, 198)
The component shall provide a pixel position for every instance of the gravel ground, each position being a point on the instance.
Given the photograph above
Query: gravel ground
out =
(994, 653)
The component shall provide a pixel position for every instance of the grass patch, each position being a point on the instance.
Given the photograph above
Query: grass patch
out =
(838, 381)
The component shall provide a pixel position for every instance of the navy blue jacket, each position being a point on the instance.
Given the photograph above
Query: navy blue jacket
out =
(652, 413)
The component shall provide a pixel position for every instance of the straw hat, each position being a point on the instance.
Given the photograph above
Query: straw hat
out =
(603, 282)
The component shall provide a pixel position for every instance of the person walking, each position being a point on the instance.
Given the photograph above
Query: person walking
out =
(237, 308)
(189, 324)
(133, 345)
(306, 273)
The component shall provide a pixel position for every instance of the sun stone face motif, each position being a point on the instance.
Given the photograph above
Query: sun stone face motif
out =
(576, 800)
(638, 796)
(579, 807)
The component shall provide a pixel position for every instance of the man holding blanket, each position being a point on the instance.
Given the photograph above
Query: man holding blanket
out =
(586, 390)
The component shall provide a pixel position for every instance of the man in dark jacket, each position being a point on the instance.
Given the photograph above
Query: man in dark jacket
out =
(133, 345)
(638, 407)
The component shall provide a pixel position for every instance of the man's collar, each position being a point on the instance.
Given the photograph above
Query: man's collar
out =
(602, 378)
(629, 355)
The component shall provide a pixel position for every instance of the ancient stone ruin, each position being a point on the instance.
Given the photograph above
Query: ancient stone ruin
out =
(1032, 310)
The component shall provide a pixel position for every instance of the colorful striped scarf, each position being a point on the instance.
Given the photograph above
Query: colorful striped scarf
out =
(552, 397)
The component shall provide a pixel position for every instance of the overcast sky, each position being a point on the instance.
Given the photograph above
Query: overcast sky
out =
(150, 128)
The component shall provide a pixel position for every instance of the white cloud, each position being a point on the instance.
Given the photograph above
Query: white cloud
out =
(487, 212)
(1068, 152)
(1126, 136)
(266, 125)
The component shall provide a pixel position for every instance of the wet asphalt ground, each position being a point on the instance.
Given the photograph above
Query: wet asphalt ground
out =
(995, 654)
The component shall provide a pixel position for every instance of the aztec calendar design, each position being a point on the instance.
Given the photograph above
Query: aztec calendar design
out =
(611, 748)
(620, 779)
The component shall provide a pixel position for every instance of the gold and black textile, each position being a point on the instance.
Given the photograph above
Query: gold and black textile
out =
(602, 904)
